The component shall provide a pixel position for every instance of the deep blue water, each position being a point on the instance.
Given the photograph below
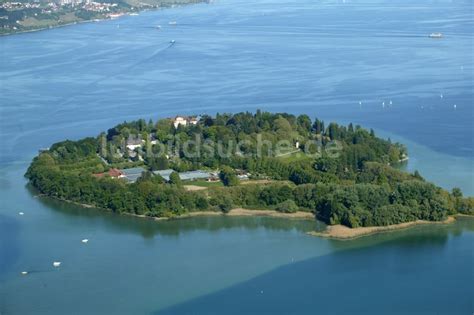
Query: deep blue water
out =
(319, 58)
(387, 279)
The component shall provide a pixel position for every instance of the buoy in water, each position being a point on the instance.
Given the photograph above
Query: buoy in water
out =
(56, 264)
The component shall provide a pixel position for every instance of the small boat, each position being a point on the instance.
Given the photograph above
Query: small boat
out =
(134, 14)
(172, 23)
(172, 41)
(436, 35)
(158, 27)
(24, 273)
(455, 106)
(56, 264)
(20, 213)
(85, 241)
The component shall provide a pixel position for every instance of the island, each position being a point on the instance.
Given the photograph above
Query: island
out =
(27, 15)
(245, 163)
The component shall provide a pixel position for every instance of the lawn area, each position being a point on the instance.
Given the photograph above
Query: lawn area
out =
(293, 157)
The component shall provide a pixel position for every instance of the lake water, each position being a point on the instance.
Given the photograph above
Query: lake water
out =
(319, 58)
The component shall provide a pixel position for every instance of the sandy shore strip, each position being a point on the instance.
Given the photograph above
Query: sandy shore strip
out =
(241, 212)
(232, 213)
(342, 232)
(271, 213)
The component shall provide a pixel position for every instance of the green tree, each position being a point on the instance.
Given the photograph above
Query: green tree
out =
(287, 206)
(228, 176)
(175, 179)
(304, 123)
(282, 128)
(225, 204)
(456, 192)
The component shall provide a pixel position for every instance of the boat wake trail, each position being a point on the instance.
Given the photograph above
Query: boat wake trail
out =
(87, 88)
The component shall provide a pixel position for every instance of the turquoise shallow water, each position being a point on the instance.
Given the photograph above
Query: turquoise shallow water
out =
(302, 57)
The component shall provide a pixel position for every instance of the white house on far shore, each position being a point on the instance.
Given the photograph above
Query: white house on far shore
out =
(184, 121)
(134, 142)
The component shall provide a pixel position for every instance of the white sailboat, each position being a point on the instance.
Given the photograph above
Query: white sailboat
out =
(436, 35)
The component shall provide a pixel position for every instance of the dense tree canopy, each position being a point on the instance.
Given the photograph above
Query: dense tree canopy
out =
(350, 181)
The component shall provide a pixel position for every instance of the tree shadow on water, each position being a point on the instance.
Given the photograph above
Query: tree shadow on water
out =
(149, 228)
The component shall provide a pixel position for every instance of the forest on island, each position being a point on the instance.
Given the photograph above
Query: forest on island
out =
(343, 174)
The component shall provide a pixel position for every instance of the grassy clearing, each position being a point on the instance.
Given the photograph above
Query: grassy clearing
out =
(294, 157)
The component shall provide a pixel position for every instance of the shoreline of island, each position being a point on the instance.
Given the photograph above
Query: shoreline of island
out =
(139, 183)
(235, 212)
(341, 232)
(242, 212)
(334, 232)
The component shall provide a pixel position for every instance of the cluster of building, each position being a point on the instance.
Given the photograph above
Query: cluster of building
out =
(129, 174)
(185, 121)
(132, 174)
(100, 7)
(55, 6)
(189, 176)
(73, 2)
(135, 142)
(19, 5)
(91, 5)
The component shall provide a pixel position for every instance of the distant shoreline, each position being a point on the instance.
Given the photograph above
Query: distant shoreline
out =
(54, 27)
(341, 232)
(97, 20)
